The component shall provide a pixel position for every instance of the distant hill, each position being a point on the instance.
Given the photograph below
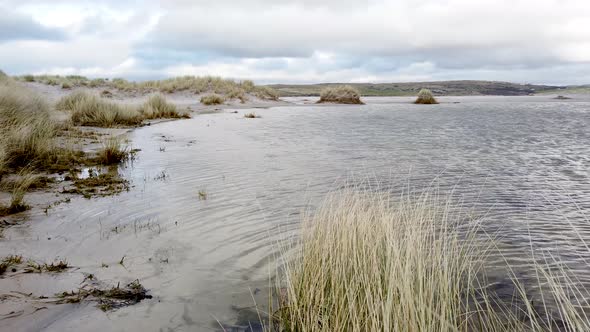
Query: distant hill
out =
(442, 88)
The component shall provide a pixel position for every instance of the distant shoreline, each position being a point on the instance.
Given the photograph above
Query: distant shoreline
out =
(442, 88)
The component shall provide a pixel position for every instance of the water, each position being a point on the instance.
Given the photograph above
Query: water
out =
(523, 163)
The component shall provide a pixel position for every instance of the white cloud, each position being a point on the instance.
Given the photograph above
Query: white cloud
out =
(307, 40)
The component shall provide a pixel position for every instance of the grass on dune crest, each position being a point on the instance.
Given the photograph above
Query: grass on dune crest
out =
(365, 262)
(344, 94)
(195, 84)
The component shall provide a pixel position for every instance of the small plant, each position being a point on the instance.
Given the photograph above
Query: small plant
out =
(251, 115)
(344, 94)
(112, 152)
(202, 195)
(425, 97)
(57, 266)
(213, 99)
(9, 261)
(66, 86)
(17, 203)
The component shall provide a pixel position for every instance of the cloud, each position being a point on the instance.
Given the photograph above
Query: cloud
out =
(541, 41)
(15, 26)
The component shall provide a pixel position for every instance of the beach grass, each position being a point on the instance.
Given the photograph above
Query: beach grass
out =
(194, 84)
(28, 131)
(212, 99)
(88, 109)
(425, 96)
(343, 94)
(367, 262)
(157, 107)
(112, 152)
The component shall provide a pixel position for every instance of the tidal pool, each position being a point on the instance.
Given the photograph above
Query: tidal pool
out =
(212, 196)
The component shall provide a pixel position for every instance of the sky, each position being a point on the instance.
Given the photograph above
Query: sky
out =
(301, 41)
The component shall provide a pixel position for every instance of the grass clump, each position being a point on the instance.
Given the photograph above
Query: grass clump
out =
(10, 261)
(266, 93)
(425, 97)
(365, 262)
(213, 99)
(90, 110)
(19, 189)
(156, 107)
(344, 94)
(251, 115)
(28, 131)
(112, 152)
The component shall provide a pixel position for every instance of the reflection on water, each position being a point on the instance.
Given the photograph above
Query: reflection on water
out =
(522, 163)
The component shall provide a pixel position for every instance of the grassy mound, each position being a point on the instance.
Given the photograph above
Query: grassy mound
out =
(425, 97)
(365, 263)
(90, 110)
(156, 107)
(344, 94)
(213, 99)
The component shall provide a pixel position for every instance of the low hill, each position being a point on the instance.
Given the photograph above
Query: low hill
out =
(442, 88)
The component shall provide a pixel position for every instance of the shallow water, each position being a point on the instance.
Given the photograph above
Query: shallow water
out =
(520, 162)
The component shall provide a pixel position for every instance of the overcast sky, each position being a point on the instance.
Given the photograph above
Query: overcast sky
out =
(301, 41)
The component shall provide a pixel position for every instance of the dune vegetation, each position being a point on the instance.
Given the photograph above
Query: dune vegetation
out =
(36, 139)
(366, 262)
(88, 109)
(344, 94)
(212, 99)
(425, 96)
(28, 131)
(198, 85)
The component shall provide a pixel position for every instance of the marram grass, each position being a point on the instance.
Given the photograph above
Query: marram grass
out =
(367, 262)
(425, 96)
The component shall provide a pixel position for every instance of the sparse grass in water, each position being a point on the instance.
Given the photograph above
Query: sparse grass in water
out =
(344, 94)
(19, 189)
(425, 97)
(212, 99)
(367, 263)
(112, 152)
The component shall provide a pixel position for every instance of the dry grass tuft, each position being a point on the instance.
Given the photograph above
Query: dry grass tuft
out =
(425, 97)
(213, 99)
(344, 94)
